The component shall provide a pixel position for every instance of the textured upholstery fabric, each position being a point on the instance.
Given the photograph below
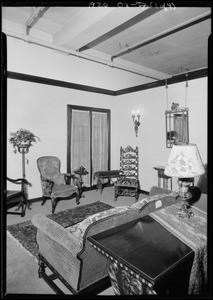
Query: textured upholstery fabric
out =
(79, 229)
(140, 204)
(53, 182)
(72, 255)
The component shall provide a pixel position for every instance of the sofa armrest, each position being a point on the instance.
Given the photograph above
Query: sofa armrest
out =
(56, 232)
(155, 190)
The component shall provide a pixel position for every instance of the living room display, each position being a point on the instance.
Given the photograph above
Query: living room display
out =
(105, 192)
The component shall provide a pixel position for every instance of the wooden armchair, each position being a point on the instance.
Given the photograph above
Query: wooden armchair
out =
(17, 197)
(54, 183)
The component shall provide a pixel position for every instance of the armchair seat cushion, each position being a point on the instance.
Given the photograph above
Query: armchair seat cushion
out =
(129, 182)
(107, 173)
(65, 190)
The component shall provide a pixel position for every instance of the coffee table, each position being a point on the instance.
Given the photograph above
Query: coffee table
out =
(145, 258)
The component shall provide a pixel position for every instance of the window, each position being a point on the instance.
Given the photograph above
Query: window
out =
(88, 140)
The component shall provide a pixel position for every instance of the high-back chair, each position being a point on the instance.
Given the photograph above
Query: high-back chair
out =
(54, 183)
(128, 183)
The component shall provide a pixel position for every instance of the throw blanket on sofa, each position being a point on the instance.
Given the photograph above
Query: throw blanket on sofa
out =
(193, 232)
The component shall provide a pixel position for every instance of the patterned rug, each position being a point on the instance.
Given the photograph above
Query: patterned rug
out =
(25, 232)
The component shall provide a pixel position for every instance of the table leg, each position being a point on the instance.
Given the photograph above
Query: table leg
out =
(159, 181)
(99, 185)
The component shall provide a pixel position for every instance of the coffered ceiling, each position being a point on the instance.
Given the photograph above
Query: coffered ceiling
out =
(156, 43)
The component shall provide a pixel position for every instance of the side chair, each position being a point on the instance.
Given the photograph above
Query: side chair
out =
(54, 183)
(17, 197)
(128, 183)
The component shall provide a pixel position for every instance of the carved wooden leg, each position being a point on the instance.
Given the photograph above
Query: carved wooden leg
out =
(136, 197)
(22, 205)
(77, 198)
(99, 184)
(113, 269)
(116, 194)
(29, 204)
(41, 269)
(43, 200)
(53, 204)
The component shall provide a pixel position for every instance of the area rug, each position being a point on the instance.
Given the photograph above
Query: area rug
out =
(25, 232)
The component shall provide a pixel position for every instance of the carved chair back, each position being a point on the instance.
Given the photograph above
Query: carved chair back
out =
(129, 162)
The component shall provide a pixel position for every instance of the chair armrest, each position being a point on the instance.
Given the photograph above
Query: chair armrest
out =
(18, 181)
(57, 233)
(76, 179)
(68, 175)
(48, 187)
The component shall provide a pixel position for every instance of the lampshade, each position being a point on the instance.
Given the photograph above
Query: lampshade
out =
(184, 162)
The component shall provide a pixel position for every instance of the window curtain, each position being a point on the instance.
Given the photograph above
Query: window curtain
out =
(99, 142)
(80, 142)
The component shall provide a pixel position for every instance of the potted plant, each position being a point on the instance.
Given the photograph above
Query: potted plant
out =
(22, 140)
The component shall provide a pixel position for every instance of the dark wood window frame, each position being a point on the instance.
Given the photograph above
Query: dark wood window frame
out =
(69, 122)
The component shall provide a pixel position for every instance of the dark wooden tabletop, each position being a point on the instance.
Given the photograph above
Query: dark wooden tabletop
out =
(144, 246)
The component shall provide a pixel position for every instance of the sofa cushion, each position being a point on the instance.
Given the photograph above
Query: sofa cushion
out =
(79, 229)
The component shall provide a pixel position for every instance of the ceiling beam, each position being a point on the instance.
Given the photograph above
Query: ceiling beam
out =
(33, 19)
(29, 39)
(78, 23)
(121, 27)
(163, 34)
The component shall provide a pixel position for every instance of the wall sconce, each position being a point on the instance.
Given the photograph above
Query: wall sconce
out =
(136, 121)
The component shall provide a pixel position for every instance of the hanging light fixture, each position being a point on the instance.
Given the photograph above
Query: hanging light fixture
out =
(177, 121)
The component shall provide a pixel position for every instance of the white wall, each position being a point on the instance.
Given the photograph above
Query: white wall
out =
(151, 139)
(42, 109)
(36, 60)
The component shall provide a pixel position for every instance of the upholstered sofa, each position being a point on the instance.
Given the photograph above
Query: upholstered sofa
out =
(67, 252)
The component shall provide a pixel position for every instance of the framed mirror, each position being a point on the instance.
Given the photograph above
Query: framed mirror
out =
(177, 127)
